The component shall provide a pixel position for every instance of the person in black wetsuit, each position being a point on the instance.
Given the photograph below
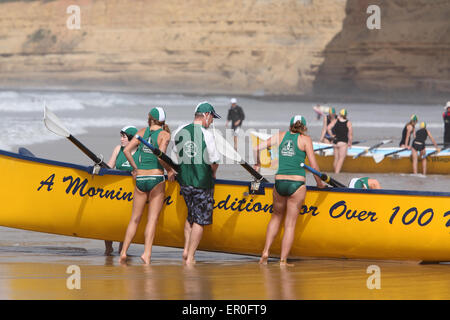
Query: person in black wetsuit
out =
(342, 132)
(418, 145)
(446, 117)
(408, 130)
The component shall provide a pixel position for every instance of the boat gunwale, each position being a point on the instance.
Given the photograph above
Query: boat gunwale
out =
(103, 171)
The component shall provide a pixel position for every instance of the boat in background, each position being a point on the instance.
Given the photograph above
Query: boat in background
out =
(438, 163)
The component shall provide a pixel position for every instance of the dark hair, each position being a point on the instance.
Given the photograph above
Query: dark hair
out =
(298, 127)
(163, 124)
(129, 136)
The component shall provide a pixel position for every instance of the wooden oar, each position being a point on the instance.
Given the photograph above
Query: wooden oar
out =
(372, 147)
(324, 177)
(55, 125)
(433, 152)
(228, 151)
(164, 157)
(379, 157)
(329, 147)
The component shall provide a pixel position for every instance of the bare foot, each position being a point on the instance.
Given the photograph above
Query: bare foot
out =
(264, 258)
(184, 256)
(189, 262)
(283, 263)
(123, 258)
(145, 258)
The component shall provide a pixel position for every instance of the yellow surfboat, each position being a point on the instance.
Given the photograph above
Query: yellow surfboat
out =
(67, 199)
(399, 163)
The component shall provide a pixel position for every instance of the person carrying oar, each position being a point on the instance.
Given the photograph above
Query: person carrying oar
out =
(119, 161)
(148, 171)
(290, 189)
(418, 145)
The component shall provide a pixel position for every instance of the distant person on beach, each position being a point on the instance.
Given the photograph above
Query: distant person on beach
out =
(364, 183)
(446, 117)
(290, 183)
(198, 158)
(342, 132)
(407, 132)
(148, 172)
(236, 116)
(119, 161)
(418, 145)
(320, 110)
(324, 136)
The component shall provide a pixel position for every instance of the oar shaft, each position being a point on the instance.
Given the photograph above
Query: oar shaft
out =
(394, 152)
(253, 172)
(88, 152)
(324, 177)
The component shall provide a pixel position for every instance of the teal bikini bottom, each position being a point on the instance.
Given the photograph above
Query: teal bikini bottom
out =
(147, 183)
(287, 188)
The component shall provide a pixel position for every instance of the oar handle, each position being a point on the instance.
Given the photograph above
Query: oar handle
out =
(324, 177)
(164, 157)
(394, 152)
(88, 152)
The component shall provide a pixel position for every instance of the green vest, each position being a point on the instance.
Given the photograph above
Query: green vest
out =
(146, 158)
(191, 153)
(290, 156)
(122, 161)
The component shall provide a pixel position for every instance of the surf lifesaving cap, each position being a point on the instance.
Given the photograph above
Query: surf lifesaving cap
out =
(158, 114)
(343, 112)
(130, 131)
(205, 106)
(423, 125)
(414, 118)
(300, 118)
(332, 110)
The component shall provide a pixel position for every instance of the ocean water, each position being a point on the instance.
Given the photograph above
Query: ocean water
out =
(33, 265)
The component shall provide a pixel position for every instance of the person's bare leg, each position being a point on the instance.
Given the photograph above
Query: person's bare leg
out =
(156, 201)
(294, 204)
(108, 248)
(424, 162)
(138, 206)
(342, 151)
(187, 236)
(336, 156)
(194, 241)
(279, 207)
(414, 160)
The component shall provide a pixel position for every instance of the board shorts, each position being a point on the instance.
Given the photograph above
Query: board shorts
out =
(236, 130)
(287, 188)
(200, 203)
(418, 146)
(147, 183)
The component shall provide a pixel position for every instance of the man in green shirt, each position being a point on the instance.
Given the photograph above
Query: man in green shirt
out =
(198, 160)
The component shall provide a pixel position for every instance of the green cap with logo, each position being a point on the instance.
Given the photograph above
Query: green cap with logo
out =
(414, 118)
(204, 107)
(296, 118)
(343, 112)
(158, 114)
(130, 131)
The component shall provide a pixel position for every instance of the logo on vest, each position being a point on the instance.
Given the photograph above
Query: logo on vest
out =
(190, 149)
(287, 149)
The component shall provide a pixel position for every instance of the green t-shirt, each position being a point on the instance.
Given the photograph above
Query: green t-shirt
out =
(196, 151)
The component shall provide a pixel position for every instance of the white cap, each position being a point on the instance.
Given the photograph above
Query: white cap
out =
(233, 100)
(448, 105)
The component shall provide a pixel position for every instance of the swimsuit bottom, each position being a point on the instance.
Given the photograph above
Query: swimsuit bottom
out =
(287, 188)
(147, 183)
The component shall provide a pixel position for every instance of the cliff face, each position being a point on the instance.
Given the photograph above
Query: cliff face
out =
(290, 47)
(197, 45)
(409, 55)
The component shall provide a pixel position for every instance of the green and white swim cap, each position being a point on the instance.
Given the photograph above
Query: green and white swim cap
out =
(130, 131)
(414, 118)
(158, 114)
(296, 118)
(343, 112)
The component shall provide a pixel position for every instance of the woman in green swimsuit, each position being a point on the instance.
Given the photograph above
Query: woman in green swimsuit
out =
(290, 189)
(148, 171)
(119, 162)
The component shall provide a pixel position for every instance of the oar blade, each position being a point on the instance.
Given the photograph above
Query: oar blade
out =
(224, 147)
(378, 157)
(53, 123)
